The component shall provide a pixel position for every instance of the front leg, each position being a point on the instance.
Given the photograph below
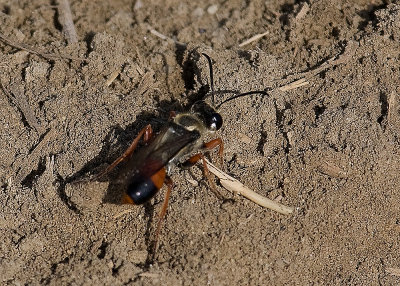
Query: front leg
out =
(207, 146)
(194, 159)
(213, 144)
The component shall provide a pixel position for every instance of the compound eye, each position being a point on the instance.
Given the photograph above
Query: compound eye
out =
(215, 121)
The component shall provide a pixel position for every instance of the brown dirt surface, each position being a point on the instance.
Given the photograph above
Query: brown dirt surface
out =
(329, 148)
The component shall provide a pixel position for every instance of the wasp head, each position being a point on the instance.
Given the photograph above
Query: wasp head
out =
(211, 119)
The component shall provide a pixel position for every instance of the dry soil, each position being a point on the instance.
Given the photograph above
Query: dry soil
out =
(329, 148)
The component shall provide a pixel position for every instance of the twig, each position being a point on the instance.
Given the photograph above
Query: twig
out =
(334, 61)
(37, 52)
(50, 164)
(235, 186)
(65, 19)
(26, 112)
(252, 39)
(25, 163)
(392, 106)
(163, 37)
(112, 77)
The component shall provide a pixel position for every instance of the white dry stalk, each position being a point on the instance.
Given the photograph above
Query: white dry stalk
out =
(112, 77)
(252, 39)
(233, 185)
(293, 85)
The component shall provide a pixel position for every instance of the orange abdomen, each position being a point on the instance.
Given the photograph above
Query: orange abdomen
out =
(142, 188)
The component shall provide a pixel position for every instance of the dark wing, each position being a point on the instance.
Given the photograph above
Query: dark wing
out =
(161, 150)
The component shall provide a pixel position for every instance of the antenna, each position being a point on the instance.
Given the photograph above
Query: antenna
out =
(233, 97)
(241, 95)
(211, 76)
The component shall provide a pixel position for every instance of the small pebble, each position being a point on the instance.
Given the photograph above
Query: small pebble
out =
(212, 9)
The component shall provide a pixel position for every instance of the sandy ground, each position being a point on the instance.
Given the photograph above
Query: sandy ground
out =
(329, 148)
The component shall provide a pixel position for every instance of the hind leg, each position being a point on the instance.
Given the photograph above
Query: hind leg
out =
(146, 133)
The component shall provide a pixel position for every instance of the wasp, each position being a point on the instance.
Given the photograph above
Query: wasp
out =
(183, 135)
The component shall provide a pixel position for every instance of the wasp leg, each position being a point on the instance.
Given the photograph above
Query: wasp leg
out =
(163, 211)
(172, 114)
(146, 133)
(214, 143)
(193, 160)
(206, 146)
